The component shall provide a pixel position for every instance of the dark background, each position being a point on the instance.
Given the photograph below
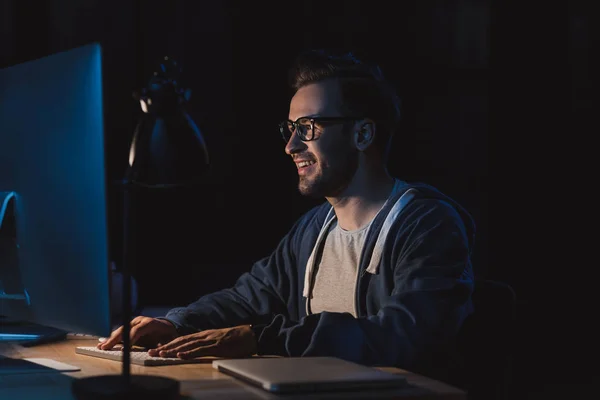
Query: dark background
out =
(485, 84)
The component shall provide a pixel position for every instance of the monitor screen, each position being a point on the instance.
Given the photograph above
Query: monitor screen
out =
(54, 267)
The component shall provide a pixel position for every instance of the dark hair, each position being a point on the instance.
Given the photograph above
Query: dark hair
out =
(365, 92)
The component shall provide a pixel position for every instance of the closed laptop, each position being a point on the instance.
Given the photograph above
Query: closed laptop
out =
(308, 374)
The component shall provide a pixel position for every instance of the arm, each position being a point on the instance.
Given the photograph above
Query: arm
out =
(432, 285)
(255, 298)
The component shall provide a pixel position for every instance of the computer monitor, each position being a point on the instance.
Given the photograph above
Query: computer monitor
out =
(53, 187)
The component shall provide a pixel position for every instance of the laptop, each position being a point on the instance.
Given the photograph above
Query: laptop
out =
(308, 374)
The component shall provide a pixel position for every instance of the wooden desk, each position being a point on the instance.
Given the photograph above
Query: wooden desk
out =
(198, 381)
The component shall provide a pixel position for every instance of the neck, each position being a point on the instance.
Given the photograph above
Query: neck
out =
(360, 202)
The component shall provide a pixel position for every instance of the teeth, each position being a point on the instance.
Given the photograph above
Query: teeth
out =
(305, 163)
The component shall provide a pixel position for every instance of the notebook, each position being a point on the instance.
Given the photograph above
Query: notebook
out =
(308, 374)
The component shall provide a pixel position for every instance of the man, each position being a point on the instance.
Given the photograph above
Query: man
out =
(379, 274)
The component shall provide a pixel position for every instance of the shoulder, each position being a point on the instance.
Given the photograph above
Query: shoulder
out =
(427, 203)
(429, 211)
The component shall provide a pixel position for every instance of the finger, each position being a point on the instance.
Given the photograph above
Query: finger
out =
(186, 348)
(174, 343)
(139, 328)
(168, 350)
(196, 344)
(213, 350)
(171, 351)
(135, 333)
(115, 337)
(180, 340)
(154, 352)
(183, 341)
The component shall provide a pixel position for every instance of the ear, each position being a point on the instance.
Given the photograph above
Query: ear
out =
(364, 134)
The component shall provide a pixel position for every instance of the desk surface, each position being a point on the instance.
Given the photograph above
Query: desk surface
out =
(197, 380)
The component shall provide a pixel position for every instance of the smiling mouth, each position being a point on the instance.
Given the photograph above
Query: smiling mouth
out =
(304, 164)
(304, 167)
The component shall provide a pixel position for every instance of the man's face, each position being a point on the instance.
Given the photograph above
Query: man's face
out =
(325, 165)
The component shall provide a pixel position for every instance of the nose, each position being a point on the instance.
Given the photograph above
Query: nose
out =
(294, 145)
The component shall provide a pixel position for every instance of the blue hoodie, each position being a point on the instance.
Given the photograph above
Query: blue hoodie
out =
(413, 289)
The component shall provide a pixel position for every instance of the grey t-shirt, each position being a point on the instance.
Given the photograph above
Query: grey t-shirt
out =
(335, 280)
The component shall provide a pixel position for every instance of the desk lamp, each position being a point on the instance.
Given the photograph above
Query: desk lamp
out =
(167, 150)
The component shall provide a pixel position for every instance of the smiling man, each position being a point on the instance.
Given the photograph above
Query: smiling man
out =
(378, 274)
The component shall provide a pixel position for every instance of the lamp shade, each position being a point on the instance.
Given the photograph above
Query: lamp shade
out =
(167, 148)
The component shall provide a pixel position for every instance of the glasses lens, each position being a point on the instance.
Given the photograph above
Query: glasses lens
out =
(302, 127)
(286, 132)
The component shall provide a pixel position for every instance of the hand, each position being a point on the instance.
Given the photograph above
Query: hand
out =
(148, 332)
(236, 342)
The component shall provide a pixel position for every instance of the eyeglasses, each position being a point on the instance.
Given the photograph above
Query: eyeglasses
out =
(305, 126)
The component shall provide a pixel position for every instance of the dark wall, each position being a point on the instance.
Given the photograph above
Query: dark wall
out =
(484, 84)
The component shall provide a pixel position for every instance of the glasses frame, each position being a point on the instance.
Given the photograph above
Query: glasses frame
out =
(305, 136)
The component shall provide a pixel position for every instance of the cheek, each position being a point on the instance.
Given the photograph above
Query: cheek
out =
(334, 151)
(341, 160)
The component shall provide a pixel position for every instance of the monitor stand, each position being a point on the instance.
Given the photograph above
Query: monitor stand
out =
(28, 334)
(25, 334)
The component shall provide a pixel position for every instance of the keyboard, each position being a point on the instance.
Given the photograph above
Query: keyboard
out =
(139, 357)
(77, 335)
